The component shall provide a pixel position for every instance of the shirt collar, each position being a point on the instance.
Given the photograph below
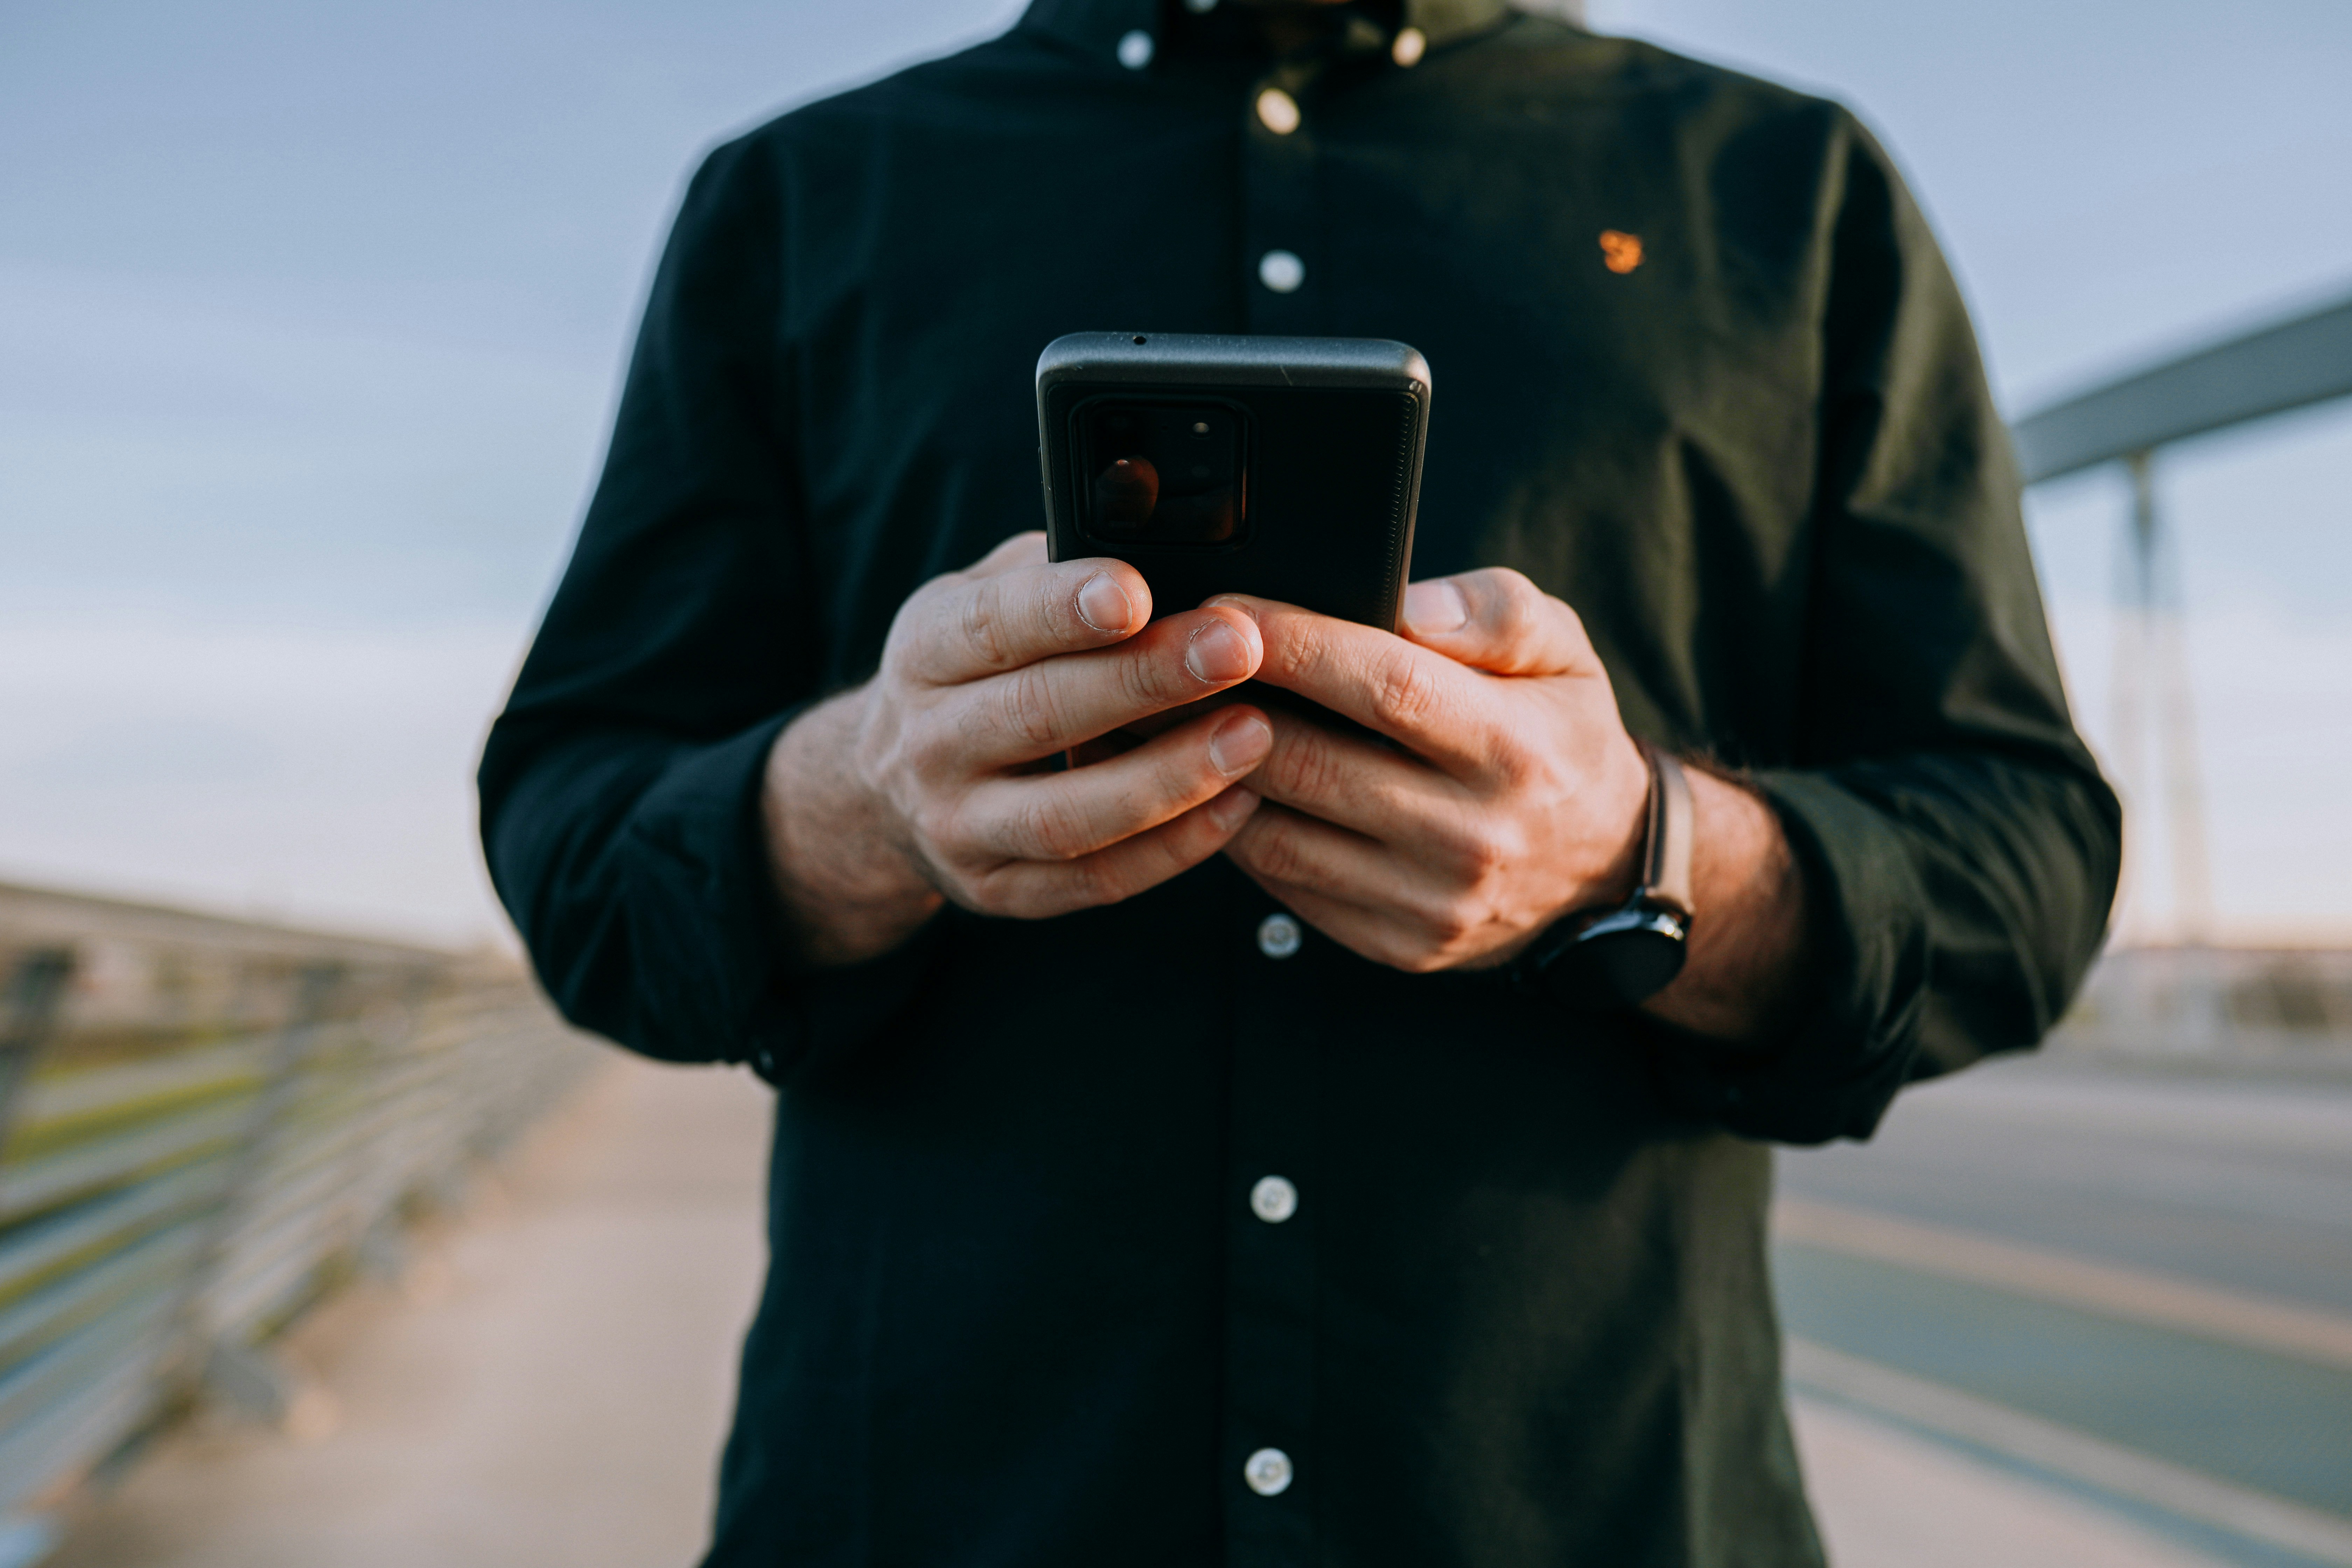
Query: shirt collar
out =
(1100, 24)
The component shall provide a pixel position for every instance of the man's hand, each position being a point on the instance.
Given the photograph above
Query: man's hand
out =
(1512, 795)
(934, 778)
(1516, 794)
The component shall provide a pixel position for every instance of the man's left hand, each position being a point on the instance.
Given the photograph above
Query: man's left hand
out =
(1512, 794)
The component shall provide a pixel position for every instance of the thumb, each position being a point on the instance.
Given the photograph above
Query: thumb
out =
(1495, 620)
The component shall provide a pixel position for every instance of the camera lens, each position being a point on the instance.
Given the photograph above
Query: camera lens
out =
(1126, 492)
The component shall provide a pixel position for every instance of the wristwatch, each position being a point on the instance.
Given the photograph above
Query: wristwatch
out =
(1601, 960)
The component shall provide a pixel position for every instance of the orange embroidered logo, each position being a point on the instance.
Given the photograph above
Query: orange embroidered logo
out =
(1620, 252)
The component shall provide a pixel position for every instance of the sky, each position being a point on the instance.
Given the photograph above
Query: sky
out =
(311, 318)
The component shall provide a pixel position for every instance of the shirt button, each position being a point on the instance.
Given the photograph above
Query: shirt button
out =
(1277, 112)
(1273, 1199)
(1411, 44)
(1278, 936)
(1267, 1471)
(1281, 271)
(1135, 50)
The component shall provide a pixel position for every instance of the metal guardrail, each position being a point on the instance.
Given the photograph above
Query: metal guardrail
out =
(204, 1125)
(2289, 1009)
(2277, 369)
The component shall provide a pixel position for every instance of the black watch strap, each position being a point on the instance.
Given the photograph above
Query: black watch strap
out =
(1617, 958)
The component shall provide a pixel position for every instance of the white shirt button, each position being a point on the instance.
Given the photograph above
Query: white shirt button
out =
(1278, 936)
(1281, 271)
(1277, 112)
(1411, 44)
(1273, 1199)
(1267, 1471)
(1135, 50)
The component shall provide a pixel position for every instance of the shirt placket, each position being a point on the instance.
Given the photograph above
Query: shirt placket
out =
(1283, 253)
(1271, 1195)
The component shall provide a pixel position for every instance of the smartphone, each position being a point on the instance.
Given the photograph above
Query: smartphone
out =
(1285, 467)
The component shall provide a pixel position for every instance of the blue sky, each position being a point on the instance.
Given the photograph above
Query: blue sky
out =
(309, 320)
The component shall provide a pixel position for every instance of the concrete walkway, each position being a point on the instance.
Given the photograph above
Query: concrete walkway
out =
(547, 1388)
(550, 1382)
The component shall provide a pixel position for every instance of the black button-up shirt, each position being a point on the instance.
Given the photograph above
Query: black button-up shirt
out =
(1699, 370)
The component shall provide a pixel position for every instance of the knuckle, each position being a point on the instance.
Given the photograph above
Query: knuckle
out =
(1517, 768)
(1402, 693)
(1180, 779)
(1522, 606)
(1093, 883)
(992, 895)
(1473, 860)
(1448, 922)
(929, 758)
(1026, 708)
(1146, 680)
(1514, 587)
(1493, 850)
(932, 750)
(1310, 648)
(1050, 829)
(910, 628)
(937, 826)
(982, 624)
(1309, 770)
(1513, 607)
(1241, 844)
(1280, 854)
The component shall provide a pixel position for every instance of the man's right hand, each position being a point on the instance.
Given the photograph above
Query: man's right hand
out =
(933, 779)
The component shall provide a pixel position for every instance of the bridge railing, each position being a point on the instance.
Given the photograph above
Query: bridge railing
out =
(204, 1124)
(2249, 1008)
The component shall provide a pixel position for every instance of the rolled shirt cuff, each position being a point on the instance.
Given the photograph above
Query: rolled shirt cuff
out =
(1834, 1073)
(710, 935)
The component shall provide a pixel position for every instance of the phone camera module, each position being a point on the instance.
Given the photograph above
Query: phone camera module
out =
(1163, 473)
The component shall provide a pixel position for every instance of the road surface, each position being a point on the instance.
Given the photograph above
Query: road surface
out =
(2053, 1319)
(2131, 1286)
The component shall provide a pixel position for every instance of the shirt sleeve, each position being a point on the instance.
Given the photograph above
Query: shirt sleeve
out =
(1959, 846)
(620, 789)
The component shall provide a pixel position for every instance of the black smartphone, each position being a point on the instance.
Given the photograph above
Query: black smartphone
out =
(1285, 468)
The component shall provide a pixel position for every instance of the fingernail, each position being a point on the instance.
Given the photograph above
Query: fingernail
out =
(1217, 654)
(1239, 743)
(1103, 605)
(1436, 606)
(1229, 808)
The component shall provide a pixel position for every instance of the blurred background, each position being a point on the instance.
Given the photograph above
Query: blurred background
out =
(311, 322)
